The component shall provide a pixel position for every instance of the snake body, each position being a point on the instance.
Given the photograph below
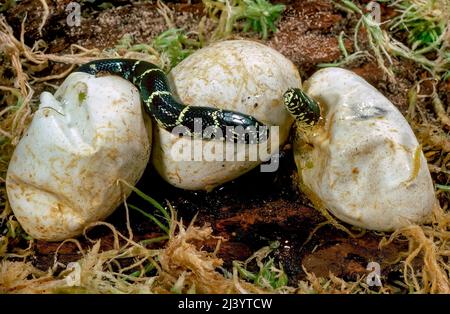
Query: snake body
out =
(167, 111)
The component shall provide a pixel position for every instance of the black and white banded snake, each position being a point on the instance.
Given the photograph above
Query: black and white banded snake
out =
(169, 113)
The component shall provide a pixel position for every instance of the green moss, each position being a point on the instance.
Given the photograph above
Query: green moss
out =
(424, 22)
(259, 16)
(269, 275)
(176, 45)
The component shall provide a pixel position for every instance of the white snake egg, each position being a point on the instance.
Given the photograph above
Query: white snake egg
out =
(365, 165)
(64, 171)
(239, 75)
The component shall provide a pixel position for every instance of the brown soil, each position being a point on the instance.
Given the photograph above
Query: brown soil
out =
(258, 207)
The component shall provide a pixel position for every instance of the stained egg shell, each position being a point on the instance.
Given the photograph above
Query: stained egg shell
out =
(239, 75)
(64, 171)
(365, 165)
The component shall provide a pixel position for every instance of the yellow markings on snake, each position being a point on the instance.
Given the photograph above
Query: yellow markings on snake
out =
(135, 65)
(181, 115)
(151, 70)
(157, 93)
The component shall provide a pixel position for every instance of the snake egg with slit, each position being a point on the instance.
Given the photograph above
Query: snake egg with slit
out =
(237, 75)
(362, 161)
(64, 171)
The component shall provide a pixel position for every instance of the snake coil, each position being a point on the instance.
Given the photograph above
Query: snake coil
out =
(168, 112)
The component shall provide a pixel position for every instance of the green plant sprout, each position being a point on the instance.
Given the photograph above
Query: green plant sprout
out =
(424, 20)
(176, 45)
(384, 46)
(261, 16)
(268, 275)
(165, 224)
(257, 15)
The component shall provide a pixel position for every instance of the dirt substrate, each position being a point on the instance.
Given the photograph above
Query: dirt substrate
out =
(257, 208)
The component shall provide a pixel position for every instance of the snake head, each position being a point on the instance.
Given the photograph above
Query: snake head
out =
(302, 107)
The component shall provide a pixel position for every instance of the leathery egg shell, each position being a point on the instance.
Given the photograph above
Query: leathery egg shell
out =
(64, 171)
(239, 75)
(365, 164)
